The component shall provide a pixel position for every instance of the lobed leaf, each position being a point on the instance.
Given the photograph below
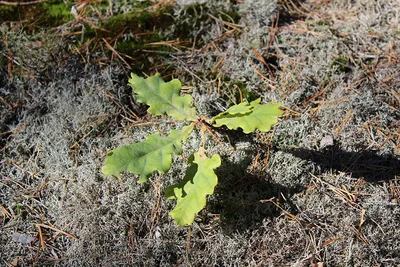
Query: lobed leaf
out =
(192, 191)
(163, 98)
(242, 108)
(155, 153)
(261, 116)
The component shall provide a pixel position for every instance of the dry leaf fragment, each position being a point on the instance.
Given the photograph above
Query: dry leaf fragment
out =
(14, 263)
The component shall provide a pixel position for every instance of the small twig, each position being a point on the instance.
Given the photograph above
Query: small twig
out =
(156, 211)
(131, 235)
(188, 246)
(203, 138)
(207, 127)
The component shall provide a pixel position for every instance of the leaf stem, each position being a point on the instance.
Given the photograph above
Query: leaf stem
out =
(203, 138)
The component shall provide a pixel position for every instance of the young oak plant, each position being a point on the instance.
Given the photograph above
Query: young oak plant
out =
(155, 153)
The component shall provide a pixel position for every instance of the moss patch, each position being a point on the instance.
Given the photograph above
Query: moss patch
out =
(49, 14)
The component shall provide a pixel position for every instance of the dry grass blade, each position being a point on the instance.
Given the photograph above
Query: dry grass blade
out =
(42, 243)
(270, 82)
(219, 63)
(318, 94)
(175, 44)
(261, 58)
(330, 241)
(345, 120)
(116, 53)
(395, 191)
(206, 127)
(18, 131)
(327, 103)
(55, 229)
(229, 24)
(362, 219)
(94, 123)
(6, 103)
(289, 215)
(359, 235)
(343, 192)
(5, 211)
(305, 31)
(46, 182)
(163, 4)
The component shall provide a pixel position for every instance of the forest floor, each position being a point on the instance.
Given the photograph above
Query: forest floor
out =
(322, 188)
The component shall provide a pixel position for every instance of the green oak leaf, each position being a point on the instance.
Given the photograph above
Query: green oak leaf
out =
(155, 153)
(242, 108)
(192, 191)
(163, 98)
(262, 117)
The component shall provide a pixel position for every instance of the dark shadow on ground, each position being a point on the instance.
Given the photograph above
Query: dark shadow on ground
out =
(365, 164)
(289, 12)
(244, 200)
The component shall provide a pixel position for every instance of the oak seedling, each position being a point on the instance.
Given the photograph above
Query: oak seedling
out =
(155, 153)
